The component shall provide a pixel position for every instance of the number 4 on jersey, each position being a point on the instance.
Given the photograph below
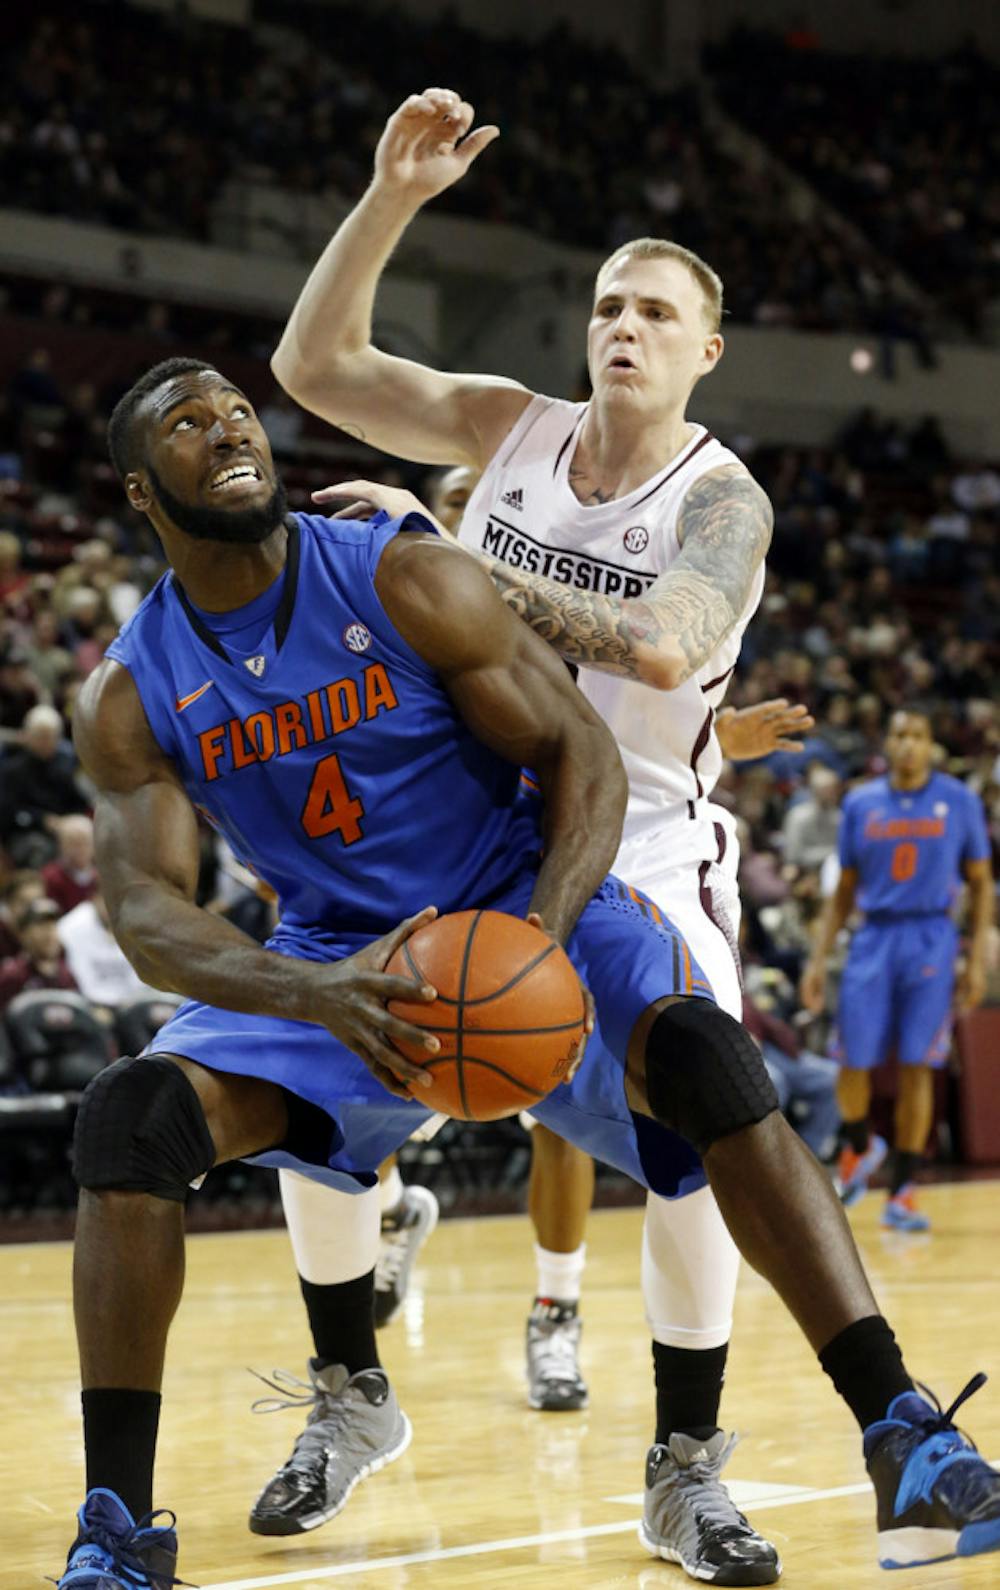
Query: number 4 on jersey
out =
(329, 808)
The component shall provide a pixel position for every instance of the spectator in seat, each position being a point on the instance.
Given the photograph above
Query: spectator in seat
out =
(811, 825)
(103, 975)
(18, 891)
(41, 962)
(72, 877)
(38, 787)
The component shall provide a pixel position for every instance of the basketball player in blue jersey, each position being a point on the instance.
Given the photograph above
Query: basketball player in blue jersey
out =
(907, 843)
(351, 706)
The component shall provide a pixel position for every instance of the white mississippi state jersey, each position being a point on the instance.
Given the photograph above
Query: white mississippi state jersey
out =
(525, 513)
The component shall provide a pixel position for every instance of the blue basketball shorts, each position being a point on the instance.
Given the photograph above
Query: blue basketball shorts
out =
(626, 953)
(897, 989)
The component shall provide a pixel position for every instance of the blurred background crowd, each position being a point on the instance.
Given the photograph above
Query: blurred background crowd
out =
(884, 582)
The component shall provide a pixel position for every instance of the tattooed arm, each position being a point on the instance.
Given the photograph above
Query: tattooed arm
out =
(665, 636)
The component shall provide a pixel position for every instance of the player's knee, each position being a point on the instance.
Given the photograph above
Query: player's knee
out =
(141, 1128)
(705, 1077)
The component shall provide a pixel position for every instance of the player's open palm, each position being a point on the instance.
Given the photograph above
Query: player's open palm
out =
(352, 1003)
(428, 143)
(758, 730)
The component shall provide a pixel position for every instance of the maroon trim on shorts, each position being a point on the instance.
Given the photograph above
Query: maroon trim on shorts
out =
(708, 903)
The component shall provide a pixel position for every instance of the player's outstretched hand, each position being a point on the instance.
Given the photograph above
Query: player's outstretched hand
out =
(365, 497)
(588, 1002)
(812, 988)
(353, 1001)
(757, 731)
(428, 143)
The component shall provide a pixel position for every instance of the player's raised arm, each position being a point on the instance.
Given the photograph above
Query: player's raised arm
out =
(665, 636)
(147, 851)
(326, 360)
(517, 698)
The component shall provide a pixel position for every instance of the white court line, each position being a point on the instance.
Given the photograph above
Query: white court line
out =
(483, 1548)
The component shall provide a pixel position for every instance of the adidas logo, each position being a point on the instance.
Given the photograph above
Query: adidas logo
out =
(513, 499)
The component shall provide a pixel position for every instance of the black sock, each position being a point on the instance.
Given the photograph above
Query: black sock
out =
(688, 1389)
(866, 1366)
(856, 1134)
(119, 1435)
(342, 1321)
(904, 1168)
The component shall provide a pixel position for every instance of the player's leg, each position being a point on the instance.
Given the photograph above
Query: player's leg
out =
(560, 1193)
(146, 1129)
(409, 1214)
(925, 980)
(864, 1024)
(354, 1424)
(698, 1072)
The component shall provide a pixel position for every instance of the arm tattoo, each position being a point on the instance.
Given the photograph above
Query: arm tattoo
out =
(725, 527)
(595, 494)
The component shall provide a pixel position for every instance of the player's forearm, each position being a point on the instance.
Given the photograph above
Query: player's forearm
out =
(832, 918)
(630, 638)
(175, 945)
(332, 318)
(982, 899)
(585, 793)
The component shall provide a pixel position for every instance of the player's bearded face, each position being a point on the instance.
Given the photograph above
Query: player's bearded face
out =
(243, 526)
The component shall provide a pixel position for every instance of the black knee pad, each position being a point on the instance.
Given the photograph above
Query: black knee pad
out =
(705, 1077)
(141, 1128)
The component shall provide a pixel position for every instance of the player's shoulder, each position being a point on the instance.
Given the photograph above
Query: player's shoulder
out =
(869, 793)
(946, 787)
(150, 609)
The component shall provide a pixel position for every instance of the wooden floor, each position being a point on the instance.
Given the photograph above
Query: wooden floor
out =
(491, 1493)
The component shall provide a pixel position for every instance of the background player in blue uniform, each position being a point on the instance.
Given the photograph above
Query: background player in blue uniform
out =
(907, 841)
(369, 690)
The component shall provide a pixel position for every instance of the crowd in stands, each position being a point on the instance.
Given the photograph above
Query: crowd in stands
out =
(908, 150)
(137, 121)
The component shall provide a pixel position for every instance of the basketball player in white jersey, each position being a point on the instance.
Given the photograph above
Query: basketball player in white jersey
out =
(634, 542)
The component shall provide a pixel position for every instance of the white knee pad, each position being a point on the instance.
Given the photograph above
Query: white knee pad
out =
(689, 1268)
(334, 1235)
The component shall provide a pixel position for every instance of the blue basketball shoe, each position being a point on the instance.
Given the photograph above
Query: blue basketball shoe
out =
(113, 1552)
(937, 1498)
(855, 1171)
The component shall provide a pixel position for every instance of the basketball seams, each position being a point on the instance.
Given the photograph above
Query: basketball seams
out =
(463, 977)
(498, 1070)
(484, 999)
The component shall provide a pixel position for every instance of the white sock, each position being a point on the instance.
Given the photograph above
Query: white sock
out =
(334, 1235)
(559, 1274)
(390, 1190)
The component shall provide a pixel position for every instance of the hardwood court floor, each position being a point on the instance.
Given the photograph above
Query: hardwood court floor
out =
(490, 1493)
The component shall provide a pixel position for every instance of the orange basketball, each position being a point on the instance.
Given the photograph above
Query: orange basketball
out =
(509, 1013)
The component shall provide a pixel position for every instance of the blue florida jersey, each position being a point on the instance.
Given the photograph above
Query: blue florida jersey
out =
(328, 753)
(909, 846)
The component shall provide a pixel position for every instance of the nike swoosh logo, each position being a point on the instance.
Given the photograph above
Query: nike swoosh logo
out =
(185, 701)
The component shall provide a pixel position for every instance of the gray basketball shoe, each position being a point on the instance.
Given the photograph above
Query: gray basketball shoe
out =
(689, 1517)
(555, 1383)
(354, 1428)
(405, 1229)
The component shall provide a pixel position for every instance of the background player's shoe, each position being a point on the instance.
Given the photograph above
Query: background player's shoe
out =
(901, 1212)
(355, 1427)
(937, 1498)
(113, 1552)
(689, 1517)
(405, 1229)
(555, 1383)
(854, 1171)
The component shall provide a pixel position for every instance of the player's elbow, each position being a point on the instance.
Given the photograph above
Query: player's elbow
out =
(660, 667)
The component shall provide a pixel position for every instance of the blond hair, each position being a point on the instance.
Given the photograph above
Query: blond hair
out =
(661, 248)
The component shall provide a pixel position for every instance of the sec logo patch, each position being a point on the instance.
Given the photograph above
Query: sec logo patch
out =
(357, 637)
(636, 538)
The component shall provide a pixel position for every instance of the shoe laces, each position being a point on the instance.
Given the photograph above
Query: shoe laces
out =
(710, 1501)
(324, 1419)
(554, 1349)
(121, 1549)
(941, 1422)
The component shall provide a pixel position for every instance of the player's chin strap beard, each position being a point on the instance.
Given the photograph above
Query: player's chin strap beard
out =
(233, 526)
